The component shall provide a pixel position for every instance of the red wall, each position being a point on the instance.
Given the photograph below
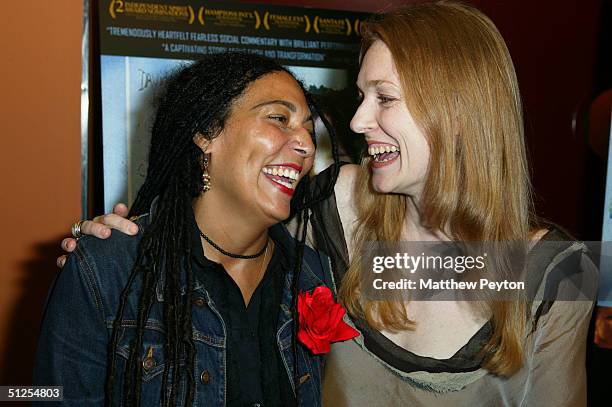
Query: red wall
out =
(40, 78)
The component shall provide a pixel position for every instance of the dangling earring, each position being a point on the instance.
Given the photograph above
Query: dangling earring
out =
(205, 175)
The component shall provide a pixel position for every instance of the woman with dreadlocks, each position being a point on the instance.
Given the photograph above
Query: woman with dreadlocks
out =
(198, 307)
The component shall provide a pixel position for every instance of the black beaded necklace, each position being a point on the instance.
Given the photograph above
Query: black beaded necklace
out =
(235, 256)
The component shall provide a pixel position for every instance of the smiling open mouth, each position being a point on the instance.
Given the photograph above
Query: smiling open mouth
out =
(383, 153)
(285, 176)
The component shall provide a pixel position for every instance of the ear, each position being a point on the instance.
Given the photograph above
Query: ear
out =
(201, 141)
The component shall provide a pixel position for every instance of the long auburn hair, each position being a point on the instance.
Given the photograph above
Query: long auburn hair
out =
(460, 86)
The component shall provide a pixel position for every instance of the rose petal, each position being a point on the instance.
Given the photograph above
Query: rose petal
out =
(344, 332)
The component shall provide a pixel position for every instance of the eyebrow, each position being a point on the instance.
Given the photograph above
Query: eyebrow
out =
(374, 83)
(285, 103)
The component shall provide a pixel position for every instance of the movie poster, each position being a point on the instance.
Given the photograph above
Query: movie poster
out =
(141, 42)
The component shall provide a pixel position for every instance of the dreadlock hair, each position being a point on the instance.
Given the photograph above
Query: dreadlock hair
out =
(197, 99)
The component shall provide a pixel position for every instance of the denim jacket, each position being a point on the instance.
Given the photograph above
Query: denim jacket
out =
(82, 305)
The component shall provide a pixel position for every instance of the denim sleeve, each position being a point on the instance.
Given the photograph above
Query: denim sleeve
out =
(72, 346)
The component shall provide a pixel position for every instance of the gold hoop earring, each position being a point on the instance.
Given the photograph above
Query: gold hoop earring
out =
(205, 176)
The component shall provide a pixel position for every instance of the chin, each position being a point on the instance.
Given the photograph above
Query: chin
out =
(284, 216)
(381, 185)
(278, 214)
(273, 204)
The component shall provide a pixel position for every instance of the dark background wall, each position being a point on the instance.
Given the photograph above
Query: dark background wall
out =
(556, 46)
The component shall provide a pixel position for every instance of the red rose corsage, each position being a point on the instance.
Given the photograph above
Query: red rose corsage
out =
(321, 321)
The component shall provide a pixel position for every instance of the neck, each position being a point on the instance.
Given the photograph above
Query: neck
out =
(414, 229)
(236, 233)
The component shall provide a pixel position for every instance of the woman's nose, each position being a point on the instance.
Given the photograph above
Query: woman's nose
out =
(363, 121)
(303, 144)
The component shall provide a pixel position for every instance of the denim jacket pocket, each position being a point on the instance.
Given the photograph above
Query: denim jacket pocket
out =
(309, 368)
(151, 361)
(309, 383)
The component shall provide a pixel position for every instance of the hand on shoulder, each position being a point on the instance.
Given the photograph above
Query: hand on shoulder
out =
(101, 227)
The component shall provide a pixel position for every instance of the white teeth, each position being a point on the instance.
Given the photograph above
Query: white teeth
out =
(283, 172)
(283, 183)
(382, 149)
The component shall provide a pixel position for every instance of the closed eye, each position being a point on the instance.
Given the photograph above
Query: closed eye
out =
(385, 100)
(279, 118)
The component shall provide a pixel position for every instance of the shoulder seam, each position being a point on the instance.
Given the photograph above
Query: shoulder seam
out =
(86, 270)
